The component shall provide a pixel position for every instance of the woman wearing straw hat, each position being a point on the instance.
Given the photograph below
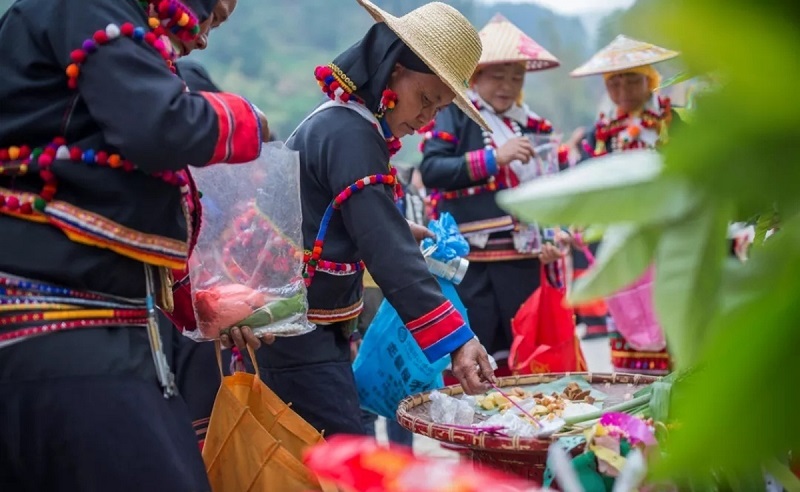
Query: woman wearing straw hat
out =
(467, 164)
(383, 88)
(638, 119)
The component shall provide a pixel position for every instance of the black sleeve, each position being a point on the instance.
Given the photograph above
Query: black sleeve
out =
(442, 166)
(384, 239)
(142, 108)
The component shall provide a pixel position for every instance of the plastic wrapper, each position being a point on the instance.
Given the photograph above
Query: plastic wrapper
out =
(449, 242)
(246, 269)
(449, 410)
(360, 464)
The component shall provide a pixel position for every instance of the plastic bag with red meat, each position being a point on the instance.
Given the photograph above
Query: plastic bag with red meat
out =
(247, 267)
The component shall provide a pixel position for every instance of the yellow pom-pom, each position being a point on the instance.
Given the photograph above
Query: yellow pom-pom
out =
(183, 20)
(73, 70)
(153, 22)
(13, 153)
(390, 105)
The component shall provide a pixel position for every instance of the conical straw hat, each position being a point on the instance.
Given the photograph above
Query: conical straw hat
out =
(503, 42)
(444, 40)
(623, 53)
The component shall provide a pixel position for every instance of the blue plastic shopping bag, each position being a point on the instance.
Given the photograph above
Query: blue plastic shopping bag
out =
(390, 365)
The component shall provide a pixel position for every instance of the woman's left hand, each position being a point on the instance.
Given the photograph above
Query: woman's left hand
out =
(244, 337)
(549, 254)
(420, 232)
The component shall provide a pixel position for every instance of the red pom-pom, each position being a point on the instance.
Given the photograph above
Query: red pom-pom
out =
(46, 174)
(345, 97)
(149, 38)
(78, 56)
(2, 200)
(100, 37)
(127, 29)
(101, 158)
(163, 7)
(75, 154)
(360, 185)
(128, 166)
(26, 208)
(3, 154)
(58, 141)
(72, 84)
(12, 202)
(334, 85)
(45, 159)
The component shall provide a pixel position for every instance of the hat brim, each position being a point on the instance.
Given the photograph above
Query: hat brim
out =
(461, 100)
(583, 71)
(530, 65)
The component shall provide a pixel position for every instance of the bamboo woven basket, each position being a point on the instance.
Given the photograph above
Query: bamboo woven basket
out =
(525, 457)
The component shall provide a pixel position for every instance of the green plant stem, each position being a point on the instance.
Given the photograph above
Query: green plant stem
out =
(783, 474)
(620, 407)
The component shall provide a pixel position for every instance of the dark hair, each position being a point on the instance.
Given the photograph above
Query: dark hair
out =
(370, 62)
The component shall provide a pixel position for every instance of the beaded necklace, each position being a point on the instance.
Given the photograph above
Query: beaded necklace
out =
(624, 132)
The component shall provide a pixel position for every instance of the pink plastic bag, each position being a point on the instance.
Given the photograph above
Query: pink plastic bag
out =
(634, 314)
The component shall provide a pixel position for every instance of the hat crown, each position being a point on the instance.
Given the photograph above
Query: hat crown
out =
(624, 53)
(448, 37)
(504, 42)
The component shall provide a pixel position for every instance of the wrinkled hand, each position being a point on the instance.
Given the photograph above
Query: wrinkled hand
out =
(242, 337)
(576, 137)
(549, 254)
(264, 125)
(354, 347)
(420, 232)
(515, 149)
(472, 368)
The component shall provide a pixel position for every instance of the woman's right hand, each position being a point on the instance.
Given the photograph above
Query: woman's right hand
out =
(515, 149)
(262, 118)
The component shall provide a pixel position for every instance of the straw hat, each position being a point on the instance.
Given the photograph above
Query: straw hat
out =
(623, 53)
(503, 42)
(443, 39)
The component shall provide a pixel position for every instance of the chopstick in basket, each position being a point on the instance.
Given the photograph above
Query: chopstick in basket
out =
(508, 397)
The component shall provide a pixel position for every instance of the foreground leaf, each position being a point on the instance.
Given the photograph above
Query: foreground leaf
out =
(623, 256)
(617, 188)
(687, 280)
(741, 408)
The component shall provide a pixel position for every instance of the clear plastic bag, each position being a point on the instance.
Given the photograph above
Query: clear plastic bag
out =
(449, 410)
(246, 269)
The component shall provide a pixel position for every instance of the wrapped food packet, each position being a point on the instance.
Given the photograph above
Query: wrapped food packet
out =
(246, 269)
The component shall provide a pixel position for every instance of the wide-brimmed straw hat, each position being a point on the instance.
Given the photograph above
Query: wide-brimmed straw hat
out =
(444, 40)
(621, 54)
(503, 42)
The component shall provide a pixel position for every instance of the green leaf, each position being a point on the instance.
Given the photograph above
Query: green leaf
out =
(622, 187)
(687, 279)
(624, 254)
(740, 409)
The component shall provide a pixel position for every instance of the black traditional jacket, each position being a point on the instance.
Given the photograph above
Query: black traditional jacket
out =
(96, 134)
(454, 165)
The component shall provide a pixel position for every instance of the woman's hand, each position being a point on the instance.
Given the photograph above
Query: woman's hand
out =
(420, 232)
(264, 124)
(244, 337)
(549, 254)
(515, 149)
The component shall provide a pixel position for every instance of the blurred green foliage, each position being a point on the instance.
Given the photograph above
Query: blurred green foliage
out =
(736, 325)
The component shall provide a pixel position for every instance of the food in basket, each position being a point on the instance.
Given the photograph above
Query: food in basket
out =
(544, 406)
